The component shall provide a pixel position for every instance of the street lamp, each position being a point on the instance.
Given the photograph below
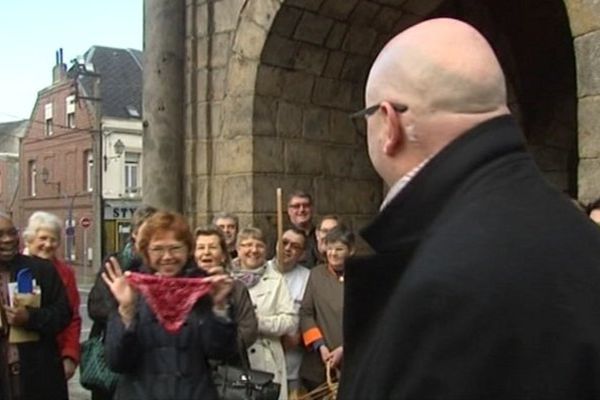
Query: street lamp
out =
(45, 175)
(119, 149)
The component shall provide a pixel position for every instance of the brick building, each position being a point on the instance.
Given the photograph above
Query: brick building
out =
(58, 158)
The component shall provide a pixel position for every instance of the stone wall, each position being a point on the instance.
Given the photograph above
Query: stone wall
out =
(584, 17)
(269, 84)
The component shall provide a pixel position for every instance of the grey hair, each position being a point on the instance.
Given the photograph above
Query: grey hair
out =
(226, 215)
(42, 220)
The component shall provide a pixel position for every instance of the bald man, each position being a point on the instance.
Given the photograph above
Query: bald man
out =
(484, 280)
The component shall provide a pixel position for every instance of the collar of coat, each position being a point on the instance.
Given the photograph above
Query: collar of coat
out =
(408, 215)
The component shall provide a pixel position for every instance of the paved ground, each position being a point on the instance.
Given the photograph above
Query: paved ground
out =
(85, 280)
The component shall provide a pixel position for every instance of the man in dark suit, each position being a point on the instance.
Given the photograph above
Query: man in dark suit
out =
(484, 280)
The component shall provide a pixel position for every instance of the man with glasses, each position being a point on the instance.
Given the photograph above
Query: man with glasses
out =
(293, 243)
(300, 212)
(485, 280)
(30, 363)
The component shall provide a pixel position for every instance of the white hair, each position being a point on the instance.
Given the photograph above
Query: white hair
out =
(42, 220)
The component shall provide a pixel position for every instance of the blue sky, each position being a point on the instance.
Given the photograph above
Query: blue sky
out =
(32, 30)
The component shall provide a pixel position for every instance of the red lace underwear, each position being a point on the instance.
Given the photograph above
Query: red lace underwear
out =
(171, 299)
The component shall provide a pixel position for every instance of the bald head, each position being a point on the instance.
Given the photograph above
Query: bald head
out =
(449, 77)
(442, 65)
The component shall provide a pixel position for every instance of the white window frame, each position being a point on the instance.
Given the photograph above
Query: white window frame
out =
(89, 171)
(131, 170)
(70, 107)
(32, 172)
(49, 125)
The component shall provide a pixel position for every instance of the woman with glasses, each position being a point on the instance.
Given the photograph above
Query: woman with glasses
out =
(272, 302)
(155, 363)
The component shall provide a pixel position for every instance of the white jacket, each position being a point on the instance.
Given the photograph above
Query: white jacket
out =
(274, 309)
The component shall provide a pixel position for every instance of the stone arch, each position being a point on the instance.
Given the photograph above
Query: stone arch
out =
(298, 87)
(297, 67)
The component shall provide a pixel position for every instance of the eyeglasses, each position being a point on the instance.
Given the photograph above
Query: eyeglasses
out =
(297, 206)
(359, 117)
(160, 251)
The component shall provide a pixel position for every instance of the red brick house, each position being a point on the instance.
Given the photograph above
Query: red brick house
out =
(57, 161)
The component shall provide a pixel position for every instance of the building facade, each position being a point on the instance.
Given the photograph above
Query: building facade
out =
(69, 163)
(11, 134)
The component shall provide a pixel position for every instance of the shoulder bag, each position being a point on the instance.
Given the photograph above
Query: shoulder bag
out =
(94, 372)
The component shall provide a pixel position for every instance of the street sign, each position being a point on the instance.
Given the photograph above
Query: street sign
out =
(85, 222)
(70, 231)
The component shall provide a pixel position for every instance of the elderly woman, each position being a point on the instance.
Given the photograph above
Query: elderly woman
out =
(154, 363)
(322, 307)
(272, 302)
(42, 239)
(212, 256)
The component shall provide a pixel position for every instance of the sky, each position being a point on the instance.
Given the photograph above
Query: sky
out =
(31, 31)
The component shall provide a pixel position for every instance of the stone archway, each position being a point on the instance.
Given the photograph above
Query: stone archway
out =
(295, 68)
(310, 74)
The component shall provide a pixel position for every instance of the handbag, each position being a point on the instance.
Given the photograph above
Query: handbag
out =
(244, 383)
(235, 383)
(95, 374)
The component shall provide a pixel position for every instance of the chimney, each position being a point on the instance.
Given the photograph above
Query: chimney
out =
(59, 71)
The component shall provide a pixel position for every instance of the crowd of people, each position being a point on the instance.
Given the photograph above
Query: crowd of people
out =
(482, 280)
(281, 315)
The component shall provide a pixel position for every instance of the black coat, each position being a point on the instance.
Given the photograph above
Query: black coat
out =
(42, 373)
(155, 364)
(485, 284)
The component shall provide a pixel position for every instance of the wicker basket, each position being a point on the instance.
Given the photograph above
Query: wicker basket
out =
(325, 391)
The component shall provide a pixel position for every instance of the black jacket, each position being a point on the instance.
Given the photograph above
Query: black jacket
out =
(485, 284)
(41, 373)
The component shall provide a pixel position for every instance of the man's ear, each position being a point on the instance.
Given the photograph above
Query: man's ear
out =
(395, 133)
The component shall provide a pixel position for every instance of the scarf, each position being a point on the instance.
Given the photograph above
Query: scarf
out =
(249, 277)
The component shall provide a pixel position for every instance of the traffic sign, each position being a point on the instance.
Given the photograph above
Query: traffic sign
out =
(70, 231)
(85, 222)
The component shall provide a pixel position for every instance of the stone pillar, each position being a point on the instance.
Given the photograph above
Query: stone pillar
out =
(163, 93)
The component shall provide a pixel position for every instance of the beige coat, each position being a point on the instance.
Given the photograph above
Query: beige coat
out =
(276, 317)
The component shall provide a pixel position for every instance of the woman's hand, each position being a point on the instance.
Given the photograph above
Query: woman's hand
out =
(221, 287)
(69, 367)
(124, 294)
(324, 353)
(336, 357)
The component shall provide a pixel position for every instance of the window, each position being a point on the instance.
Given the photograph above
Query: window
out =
(49, 126)
(89, 171)
(70, 107)
(132, 173)
(32, 176)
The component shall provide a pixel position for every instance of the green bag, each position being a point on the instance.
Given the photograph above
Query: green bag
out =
(94, 373)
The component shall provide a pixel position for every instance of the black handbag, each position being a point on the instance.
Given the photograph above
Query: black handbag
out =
(94, 373)
(243, 383)
(235, 383)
